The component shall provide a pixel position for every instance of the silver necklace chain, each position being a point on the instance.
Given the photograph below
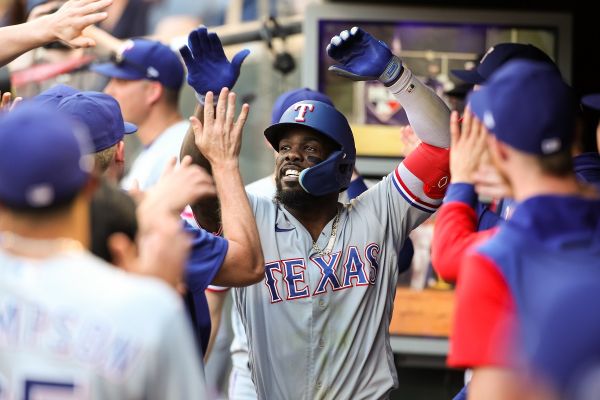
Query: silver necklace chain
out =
(331, 241)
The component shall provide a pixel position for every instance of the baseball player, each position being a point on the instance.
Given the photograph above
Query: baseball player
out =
(505, 282)
(462, 220)
(72, 325)
(318, 326)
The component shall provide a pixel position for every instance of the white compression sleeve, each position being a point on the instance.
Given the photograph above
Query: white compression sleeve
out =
(427, 113)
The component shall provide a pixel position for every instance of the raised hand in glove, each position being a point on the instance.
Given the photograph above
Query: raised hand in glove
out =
(362, 57)
(207, 65)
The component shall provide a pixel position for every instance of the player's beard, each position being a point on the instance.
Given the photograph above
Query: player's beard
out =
(296, 198)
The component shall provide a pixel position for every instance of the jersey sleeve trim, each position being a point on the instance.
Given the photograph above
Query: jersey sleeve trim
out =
(409, 195)
(217, 289)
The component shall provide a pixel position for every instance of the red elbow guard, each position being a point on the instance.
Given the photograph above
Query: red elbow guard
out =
(432, 166)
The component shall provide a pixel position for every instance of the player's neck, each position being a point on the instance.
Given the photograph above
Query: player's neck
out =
(70, 226)
(315, 216)
(155, 124)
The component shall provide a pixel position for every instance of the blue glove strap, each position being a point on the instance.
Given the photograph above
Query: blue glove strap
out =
(391, 71)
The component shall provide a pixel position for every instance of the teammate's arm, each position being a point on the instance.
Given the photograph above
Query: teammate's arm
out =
(219, 140)
(455, 228)
(65, 25)
(422, 178)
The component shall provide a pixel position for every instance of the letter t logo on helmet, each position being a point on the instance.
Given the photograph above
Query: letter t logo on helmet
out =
(302, 110)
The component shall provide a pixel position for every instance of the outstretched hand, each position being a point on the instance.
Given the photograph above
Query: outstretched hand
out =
(208, 67)
(68, 22)
(219, 138)
(468, 145)
(7, 103)
(362, 57)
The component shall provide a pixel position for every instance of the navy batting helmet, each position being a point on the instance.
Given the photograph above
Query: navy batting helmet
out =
(334, 173)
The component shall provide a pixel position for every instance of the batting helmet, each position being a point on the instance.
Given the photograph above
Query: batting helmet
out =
(334, 173)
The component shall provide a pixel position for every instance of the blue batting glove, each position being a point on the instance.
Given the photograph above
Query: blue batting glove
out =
(207, 65)
(361, 57)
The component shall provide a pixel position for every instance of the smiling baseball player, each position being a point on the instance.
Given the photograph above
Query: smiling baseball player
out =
(318, 325)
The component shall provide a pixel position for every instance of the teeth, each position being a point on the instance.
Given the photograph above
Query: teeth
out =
(291, 172)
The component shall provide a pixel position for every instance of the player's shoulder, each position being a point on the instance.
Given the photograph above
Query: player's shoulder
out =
(123, 289)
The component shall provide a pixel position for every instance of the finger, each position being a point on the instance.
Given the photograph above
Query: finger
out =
(186, 54)
(222, 106)
(87, 20)
(198, 130)
(475, 128)
(241, 121)
(16, 102)
(185, 162)
(230, 111)
(43, 9)
(81, 42)
(215, 45)
(239, 58)
(198, 40)
(5, 100)
(93, 7)
(209, 111)
(454, 128)
(466, 122)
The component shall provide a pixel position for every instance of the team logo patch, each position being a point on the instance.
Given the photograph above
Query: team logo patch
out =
(302, 110)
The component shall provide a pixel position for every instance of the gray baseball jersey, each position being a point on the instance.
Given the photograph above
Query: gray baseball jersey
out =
(318, 326)
(74, 327)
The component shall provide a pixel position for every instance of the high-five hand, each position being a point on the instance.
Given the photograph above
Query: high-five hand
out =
(219, 138)
(208, 67)
(362, 57)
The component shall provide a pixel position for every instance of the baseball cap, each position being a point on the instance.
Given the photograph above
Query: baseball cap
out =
(285, 100)
(102, 116)
(145, 59)
(54, 95)
(591, 101)
(496, 56)
(44, 157)
(527, 105)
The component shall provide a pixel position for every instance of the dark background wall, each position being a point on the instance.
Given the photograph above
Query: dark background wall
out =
(586, 29)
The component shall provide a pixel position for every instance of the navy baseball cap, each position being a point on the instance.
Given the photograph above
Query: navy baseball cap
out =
(285, 100)
(591, 101)
(528, 106)
(496, 56)
(102, 116)
(145, 59)
(54, 95)
(44, 157)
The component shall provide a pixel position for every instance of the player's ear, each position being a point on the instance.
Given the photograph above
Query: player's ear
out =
(120, 153)
(154, 92)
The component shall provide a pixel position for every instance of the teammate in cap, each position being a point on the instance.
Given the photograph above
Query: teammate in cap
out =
(318, 326)
(504, 283)
(146, 78)
(73, 325)
(101, 114)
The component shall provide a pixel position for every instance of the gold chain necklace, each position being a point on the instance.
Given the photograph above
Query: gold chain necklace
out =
(331, 241)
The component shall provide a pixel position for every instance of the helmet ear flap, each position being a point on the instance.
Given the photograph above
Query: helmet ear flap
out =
(329, 176)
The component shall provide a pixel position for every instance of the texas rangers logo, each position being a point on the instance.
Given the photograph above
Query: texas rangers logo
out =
(302, 110)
